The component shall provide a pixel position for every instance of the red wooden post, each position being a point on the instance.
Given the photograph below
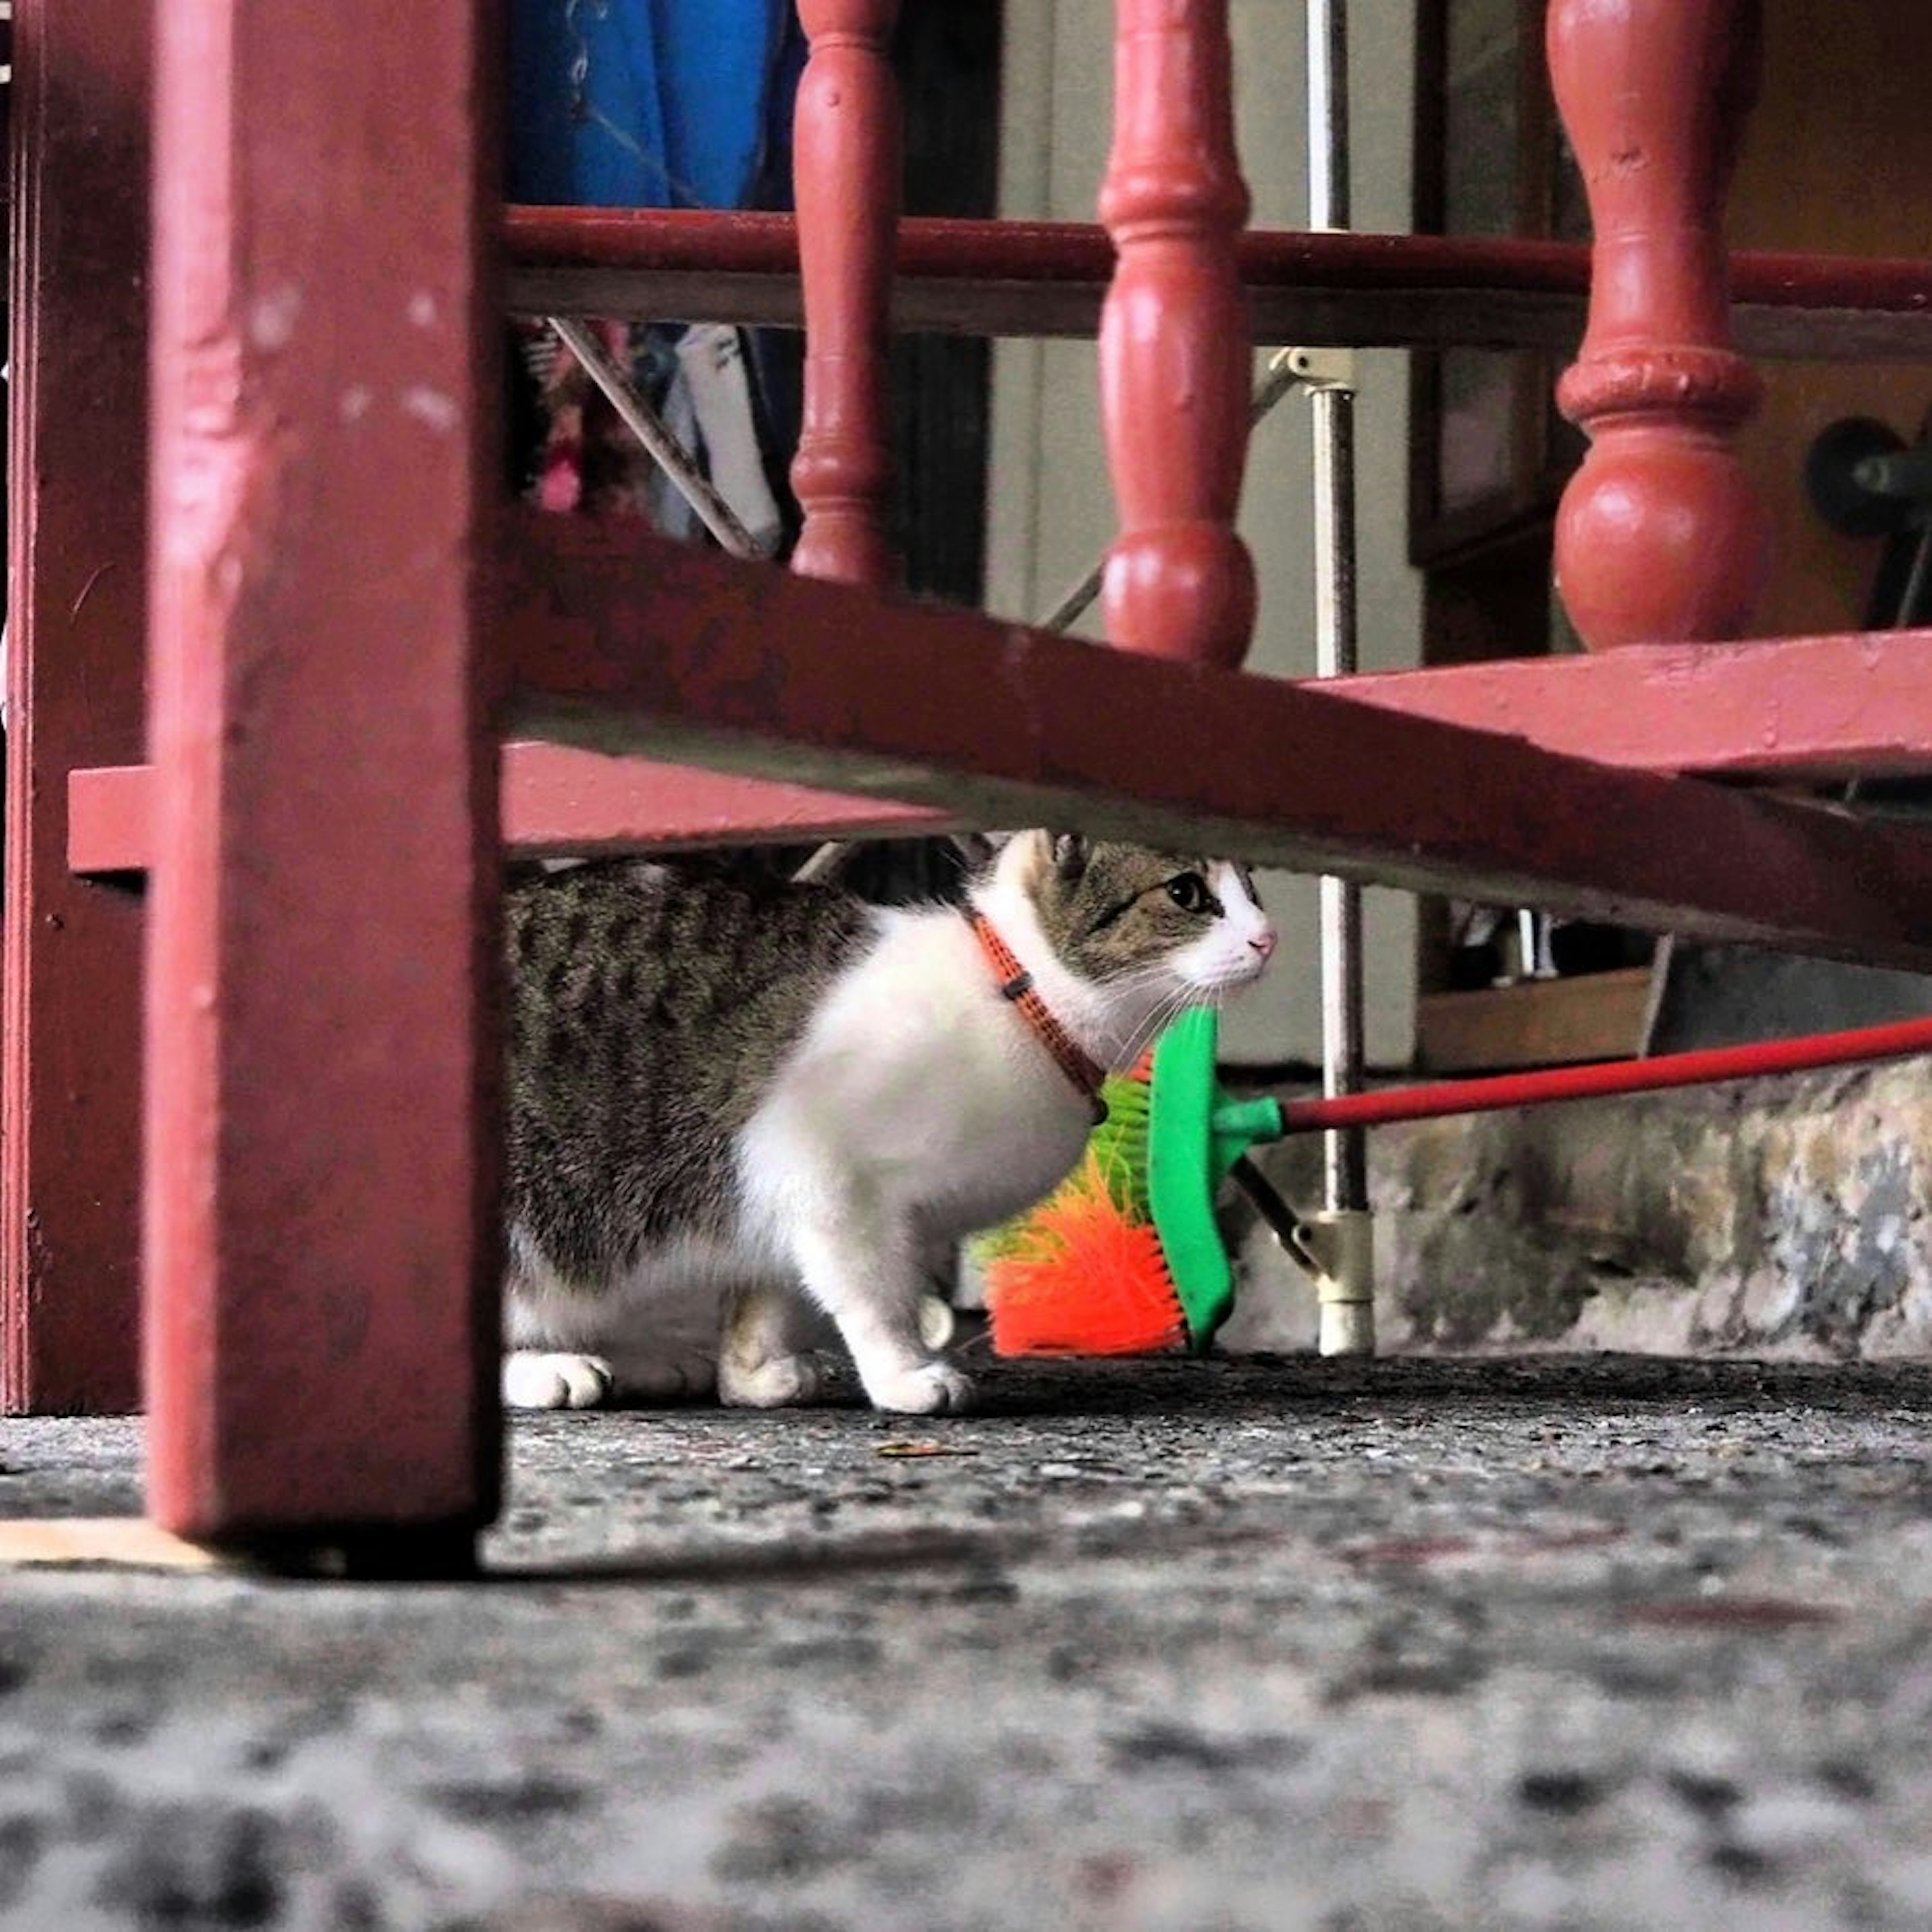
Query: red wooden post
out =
(1174, 339)
(1659, 537)
(846, 167)
(321, 1249)
(70, 1140)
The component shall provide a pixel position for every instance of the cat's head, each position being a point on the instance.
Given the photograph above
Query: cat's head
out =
(1133, 934)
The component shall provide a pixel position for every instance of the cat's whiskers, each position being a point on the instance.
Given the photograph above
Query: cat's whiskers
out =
(1125, 1034)
(1174, 999)
(1151, 1029)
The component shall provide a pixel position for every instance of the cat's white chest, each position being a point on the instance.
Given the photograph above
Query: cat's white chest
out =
(1015, 1133)
(925, 1091)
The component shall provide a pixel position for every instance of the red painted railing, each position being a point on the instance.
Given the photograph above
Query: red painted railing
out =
(1049, 278)
(1660, 536)
(846, 162)
(1173, 340)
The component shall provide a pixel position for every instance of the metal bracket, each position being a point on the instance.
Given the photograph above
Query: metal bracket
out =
(1337, 1245)
(1316, 369)
(1335, 1248)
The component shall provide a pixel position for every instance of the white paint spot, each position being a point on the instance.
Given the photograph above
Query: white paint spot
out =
(431, 406)
(356, 401)
(422, 309)
(271, 317)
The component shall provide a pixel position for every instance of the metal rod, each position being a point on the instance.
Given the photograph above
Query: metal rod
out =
(1075, 601)
(1912, 597)
(1345, 1160)
(1282, 1221)
(1327, 114)
(826, 863)
(1345, 1155)
(666, 452)
(1266, 1200)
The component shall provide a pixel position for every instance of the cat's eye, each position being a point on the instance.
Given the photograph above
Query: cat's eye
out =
(1189, 891)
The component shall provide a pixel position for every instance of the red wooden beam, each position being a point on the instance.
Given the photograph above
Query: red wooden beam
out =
(1808, 708)
(644, 645)
(557, 801)
(70, 1092)
(1004, 278)
(322, 1258)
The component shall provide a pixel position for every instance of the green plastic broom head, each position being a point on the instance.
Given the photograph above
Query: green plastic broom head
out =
(1195, 1133)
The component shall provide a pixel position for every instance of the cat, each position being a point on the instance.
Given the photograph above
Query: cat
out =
(738, 1108)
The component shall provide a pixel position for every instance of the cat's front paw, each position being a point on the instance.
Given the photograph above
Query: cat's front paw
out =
(539, 1379)
(782, 1382)
(931, 1388)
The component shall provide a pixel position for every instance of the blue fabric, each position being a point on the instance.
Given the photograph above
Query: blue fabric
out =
(642, 103)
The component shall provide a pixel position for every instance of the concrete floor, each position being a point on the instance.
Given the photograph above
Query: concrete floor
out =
(1609, 1643)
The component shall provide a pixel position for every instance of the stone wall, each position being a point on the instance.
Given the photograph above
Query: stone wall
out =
(1785, 1216)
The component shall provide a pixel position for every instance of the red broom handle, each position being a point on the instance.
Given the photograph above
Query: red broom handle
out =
(1610, 1076)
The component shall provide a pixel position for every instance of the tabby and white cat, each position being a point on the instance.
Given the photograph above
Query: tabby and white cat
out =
(782, 1096)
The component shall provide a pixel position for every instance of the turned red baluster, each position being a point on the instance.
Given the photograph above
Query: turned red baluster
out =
(845, 152)
(1659, 537)
(1173, 340)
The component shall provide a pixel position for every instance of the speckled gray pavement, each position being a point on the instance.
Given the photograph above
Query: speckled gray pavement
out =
(1550, 1643)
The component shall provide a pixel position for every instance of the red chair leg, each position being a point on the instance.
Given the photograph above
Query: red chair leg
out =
(69, 1142)
(321, 1255)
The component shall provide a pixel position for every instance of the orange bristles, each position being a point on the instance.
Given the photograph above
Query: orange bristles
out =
(1085, 1276)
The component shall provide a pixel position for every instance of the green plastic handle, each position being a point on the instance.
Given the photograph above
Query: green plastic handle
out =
(1236, 1126)
(1195, 1133)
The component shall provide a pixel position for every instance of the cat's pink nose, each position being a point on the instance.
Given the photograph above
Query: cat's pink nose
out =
(1264, 942)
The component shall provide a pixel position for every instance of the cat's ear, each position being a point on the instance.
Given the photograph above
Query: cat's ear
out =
(1070, 854)
(977, 850)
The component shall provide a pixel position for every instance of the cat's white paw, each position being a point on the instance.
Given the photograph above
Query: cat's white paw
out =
(539, 1379)
(933, 1388)
(781, 1382)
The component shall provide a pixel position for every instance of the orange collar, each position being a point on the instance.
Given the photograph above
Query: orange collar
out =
(1015, 983)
